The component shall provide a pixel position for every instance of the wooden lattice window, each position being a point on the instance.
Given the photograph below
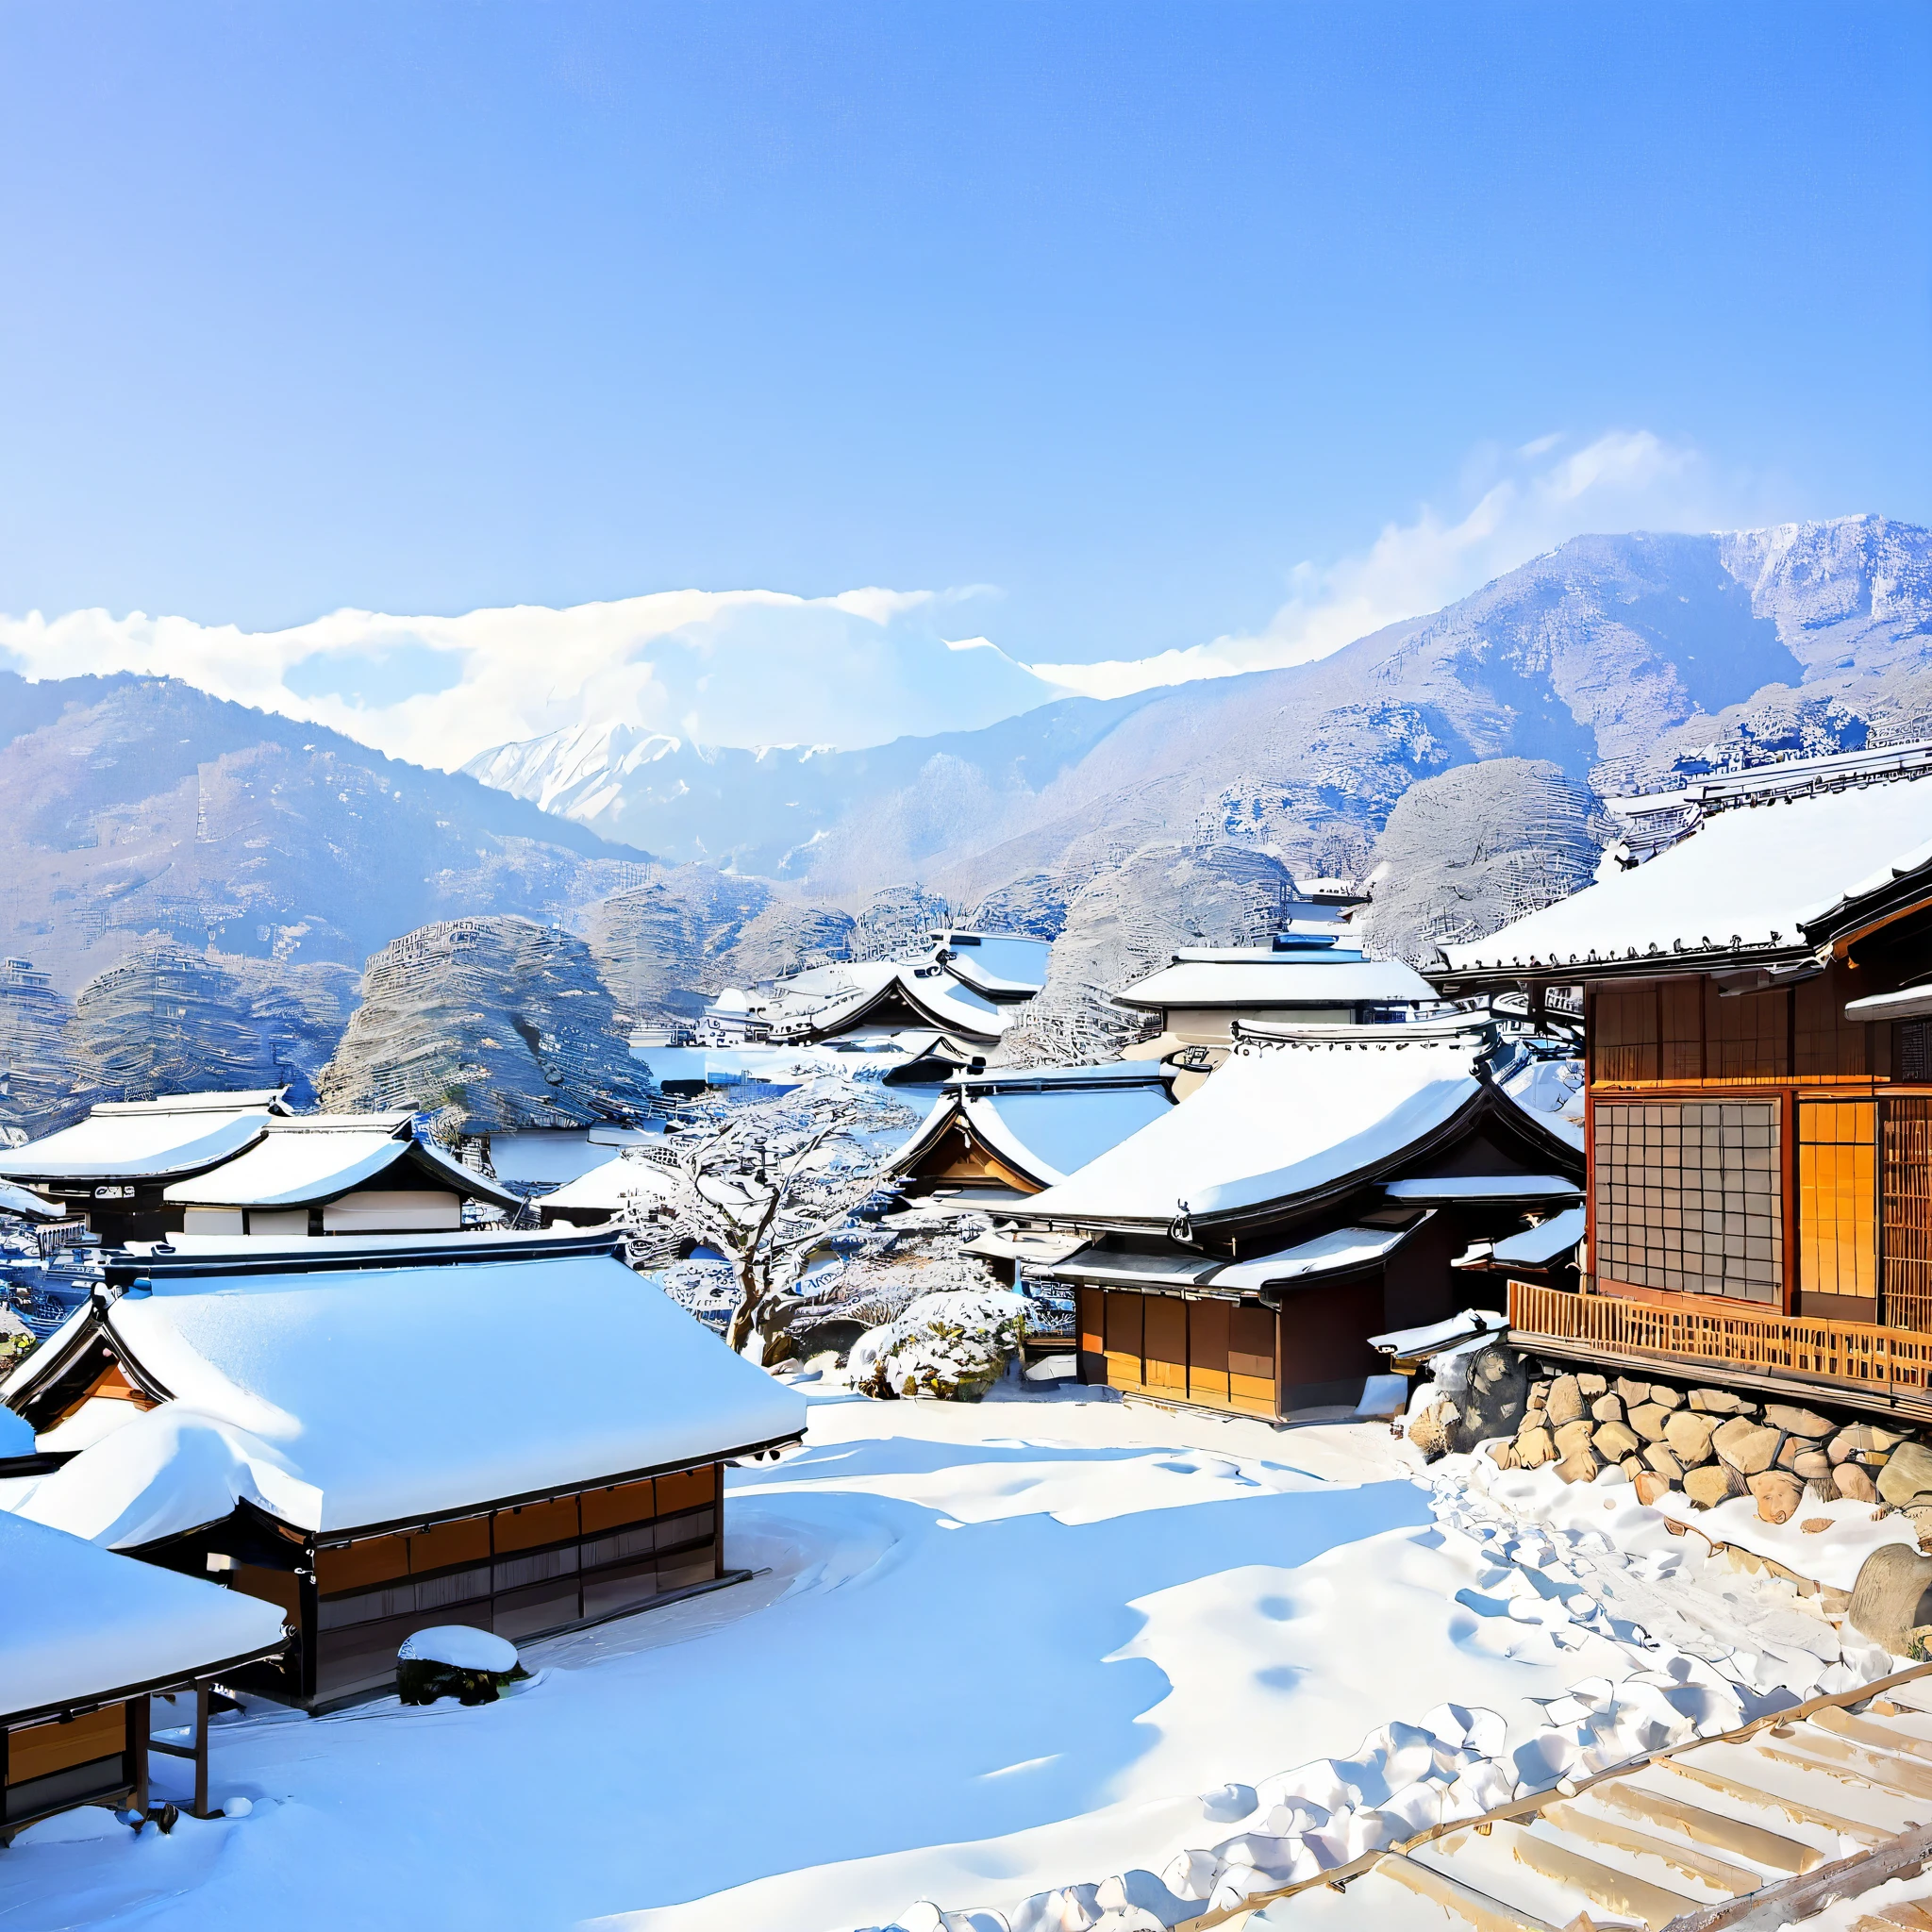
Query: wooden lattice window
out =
(1913, 1053)
(1905, 1211)
(1688, 1195)
(1838, 1206)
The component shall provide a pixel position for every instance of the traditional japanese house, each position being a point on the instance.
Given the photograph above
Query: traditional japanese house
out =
(115, 1166)
(1314, 973)
(993, 1139)
(533, 1160)
(1242, 1249)
(507, 1431)
(335, 1173)
(966, 987)
(1758, 1014)
(624, 1183)
(88, 1640)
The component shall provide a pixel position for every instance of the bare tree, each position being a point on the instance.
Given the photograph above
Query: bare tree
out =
(768, 1185)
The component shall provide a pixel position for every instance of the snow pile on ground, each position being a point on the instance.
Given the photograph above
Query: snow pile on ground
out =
(997, 1652)
(1593, 1574)
(955, 1344)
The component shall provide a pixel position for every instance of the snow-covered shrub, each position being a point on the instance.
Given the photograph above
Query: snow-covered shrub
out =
(955, 1345)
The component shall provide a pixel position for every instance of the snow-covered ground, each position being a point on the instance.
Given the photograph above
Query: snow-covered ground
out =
(997, 1650)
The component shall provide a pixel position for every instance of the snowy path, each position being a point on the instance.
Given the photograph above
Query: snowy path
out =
(1001, 1649)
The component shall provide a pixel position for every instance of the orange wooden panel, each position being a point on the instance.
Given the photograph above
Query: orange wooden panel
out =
(448, 1544)
(621, 1504)
(1166, 1344)
(1838, 1208)
(1252, 1394)
(1092, 1320)
(41, 1749)
(377, 1559)
(534, 1525)
(691, 1489)
(1251, 1333)
(1207, 1327)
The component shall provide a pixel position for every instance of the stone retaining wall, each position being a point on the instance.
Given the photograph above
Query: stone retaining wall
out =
(1709, 1442)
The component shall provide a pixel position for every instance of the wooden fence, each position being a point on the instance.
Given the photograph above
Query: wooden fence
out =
(1870, 1361)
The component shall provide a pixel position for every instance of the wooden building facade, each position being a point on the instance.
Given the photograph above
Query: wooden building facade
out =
(401, 1495)
(90, 1641)
(1759, 1107)
(1240, 1251)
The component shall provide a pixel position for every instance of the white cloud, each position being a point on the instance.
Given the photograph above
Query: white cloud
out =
(1624, 480)
(734, 667)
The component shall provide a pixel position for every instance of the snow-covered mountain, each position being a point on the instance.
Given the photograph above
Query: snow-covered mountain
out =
(1618, 660)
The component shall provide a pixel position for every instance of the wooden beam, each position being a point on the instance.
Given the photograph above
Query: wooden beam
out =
(1782, 1904)
(1704, 1827)
(1833, 1757)
(1797, 1812)
(1863, 1730)
(139, 1718)
(1460, 1900)
(1603, 1885)
(1733, 1880)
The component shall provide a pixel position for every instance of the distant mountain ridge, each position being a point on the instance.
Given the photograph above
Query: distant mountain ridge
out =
(139, 805)
(1619, 659)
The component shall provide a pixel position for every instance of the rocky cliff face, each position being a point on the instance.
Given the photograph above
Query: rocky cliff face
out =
(485, 1024)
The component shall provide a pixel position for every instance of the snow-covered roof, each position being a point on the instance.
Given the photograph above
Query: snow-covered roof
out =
(1748, 877)
(1272, 1123)
(352, 1399)
(151, 1140)
(1435, 1336)
(78, 1623)
(997, 962)
(317, 1158)
(548, 1157)
(830, 997)
(1447, 1190)
(1173, 1268)
(1328, 1253)
(1049, 1122)
(18, 1200)
(1553, 1092)
(1538, 1247)
(1278, 979)
(605, 1188)
(1910, 1003)
(1013, 1244)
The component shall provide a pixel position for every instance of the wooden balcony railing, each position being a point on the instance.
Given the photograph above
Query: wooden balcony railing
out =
(1865, 1361)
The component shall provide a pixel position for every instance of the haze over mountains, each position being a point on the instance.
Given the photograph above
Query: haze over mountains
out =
(1622, 661)
(1459, 755)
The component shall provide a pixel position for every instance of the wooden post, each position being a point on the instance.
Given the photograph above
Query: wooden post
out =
(140, 1717)
(202, 1685)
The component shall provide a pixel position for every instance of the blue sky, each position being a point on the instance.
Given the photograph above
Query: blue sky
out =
(1116, 330)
